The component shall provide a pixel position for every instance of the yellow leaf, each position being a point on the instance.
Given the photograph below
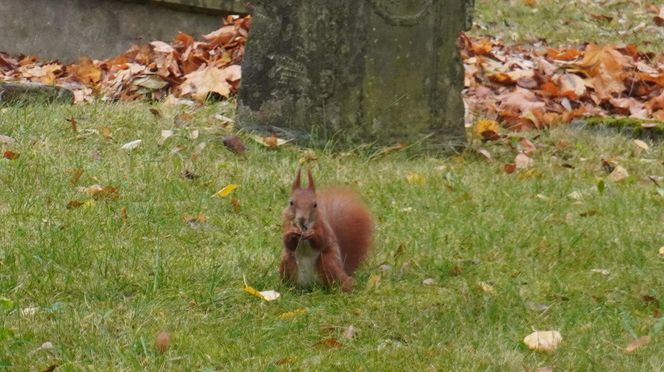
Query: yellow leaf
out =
(292, 314)
(485, 125)
(661, 252)
(226, 190)
(253, 291)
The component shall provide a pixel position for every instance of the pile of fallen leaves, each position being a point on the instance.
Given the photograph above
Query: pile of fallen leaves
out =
(184, 68)
(538, 86)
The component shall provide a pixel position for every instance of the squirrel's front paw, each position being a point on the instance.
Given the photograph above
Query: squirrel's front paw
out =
(347, 285)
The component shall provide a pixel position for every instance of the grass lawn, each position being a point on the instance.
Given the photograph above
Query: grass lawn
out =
(508, 253)
(563, 22)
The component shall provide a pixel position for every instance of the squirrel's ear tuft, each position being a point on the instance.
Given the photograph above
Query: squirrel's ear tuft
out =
(311, 185)
(296, 183)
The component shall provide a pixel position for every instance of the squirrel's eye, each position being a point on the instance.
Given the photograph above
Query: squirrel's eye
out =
(291, 203)
(315, 205)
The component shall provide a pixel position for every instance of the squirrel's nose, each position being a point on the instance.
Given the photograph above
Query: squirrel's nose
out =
(302, 223)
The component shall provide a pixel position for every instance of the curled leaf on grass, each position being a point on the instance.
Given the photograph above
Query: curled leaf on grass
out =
(267, 295)
(272, 142)
(543, 341)
(131, 145)
(661, 252)
(226, 190)
(330, 342)
(641, 145)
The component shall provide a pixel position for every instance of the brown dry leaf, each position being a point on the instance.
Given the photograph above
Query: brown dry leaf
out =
(605, 66)
(74, 204)
(162, 341)
(509, 168)
(330, 342)
(520, 100)
(234, 144)
(637, 344)
(75, 176)
(156, 113)
(235, 202)
(87, 72)
(659, 18)
(97, 192)
(11, 155)
(272, 142)
(543, 341)
(200, 83)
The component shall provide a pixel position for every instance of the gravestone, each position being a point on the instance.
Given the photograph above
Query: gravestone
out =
(384, 71)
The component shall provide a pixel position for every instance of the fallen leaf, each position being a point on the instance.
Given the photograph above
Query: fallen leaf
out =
(98, 191)
(226, 190)
(308, 157)
(604, 272)
(544, 341)
(211, 79)
(165, 134)
(428, 281)
(487, 288)
(235, 202)
(194, 134)
(156, 113)
(509, 168)
(330, 342)
(234, 144)
(641, 144)
(75, 176)
(131, 145)
(661, 252)
(106, 132)
(618, 174)
(292, 314)
(163, 341)
(11, 155)
(485, 125)
(74, 204)
(637, 344)
(270, 295)
(271, 142)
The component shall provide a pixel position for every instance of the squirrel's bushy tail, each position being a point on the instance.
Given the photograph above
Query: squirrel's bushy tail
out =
(351, 222)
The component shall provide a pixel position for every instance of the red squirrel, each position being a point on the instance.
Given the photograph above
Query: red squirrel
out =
(326, 235)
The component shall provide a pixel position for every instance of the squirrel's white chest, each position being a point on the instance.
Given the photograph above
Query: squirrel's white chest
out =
(307, 259)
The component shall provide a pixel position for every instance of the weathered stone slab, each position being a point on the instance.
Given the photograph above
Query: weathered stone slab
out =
(372, 70)
(68, 29)
(11, 93)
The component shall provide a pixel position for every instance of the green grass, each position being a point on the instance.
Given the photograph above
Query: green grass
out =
(562, 22)
(104, 288)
